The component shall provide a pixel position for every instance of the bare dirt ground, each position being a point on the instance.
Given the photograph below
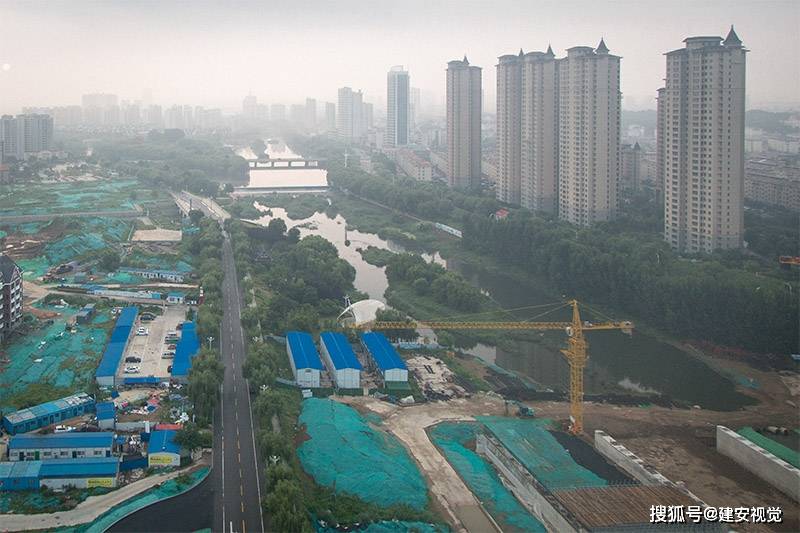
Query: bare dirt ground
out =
(680, 443)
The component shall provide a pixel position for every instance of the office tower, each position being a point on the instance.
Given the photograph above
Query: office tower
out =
(397, 107)
(350, 114)
(249, 106)
(539, 132)
(700, 144)
(631, 156)
(463, 124)
(509, 137)
(311, 114)
(330, 116)
(588, 135)
(277, 112)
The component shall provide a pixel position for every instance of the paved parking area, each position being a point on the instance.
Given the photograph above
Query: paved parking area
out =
(150, 347)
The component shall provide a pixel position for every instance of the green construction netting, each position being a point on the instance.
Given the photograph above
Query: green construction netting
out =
(532, 445)
(343, 450)
(775, 448)
(453, 439)
(168, 489)
(37, 199)
(158, 262)
(53, 355)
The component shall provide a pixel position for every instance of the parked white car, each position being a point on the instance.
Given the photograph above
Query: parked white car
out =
(63, 429)
(131, 369)
(142, 331)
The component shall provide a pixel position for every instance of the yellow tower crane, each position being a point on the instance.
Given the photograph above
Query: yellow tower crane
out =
(575, 353)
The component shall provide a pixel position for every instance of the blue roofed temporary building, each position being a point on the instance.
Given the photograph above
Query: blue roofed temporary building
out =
(185, 351)
(85, 473)
(175, 297)
(57, 474)
(33, 447)
(19, 476)
(341, 360)
(304, 358)
(106, 415)
(109, 364)
(48, 413)
(162, 449)
(385, 357)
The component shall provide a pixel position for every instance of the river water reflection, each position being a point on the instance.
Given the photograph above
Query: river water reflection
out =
(618, 362)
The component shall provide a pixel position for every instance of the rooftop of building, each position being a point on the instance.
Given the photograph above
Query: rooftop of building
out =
(105, 410)
(186, 348)
(163, 441)
(384, 354)
(342, 354)
(8, 269)
(73, 439)
(303, 351)
(49, 408)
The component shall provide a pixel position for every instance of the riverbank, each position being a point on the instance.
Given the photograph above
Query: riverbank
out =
(648, 363)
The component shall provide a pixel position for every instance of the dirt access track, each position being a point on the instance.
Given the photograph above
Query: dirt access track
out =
(451, 495)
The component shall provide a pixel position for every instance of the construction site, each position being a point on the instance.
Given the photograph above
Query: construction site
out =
(490, 463)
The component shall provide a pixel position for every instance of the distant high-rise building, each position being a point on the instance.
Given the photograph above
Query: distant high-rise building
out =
(311, 114)
(539, 130)
(154, 116)
(8, 136)
(414, 108)
(509, 136)
(10, 296)
(367, 115)
(297, 115)
(330, 116)
(700, 139)
(100, 109)
(589, 130)
(250, 107)
(631, 156)
(350, 114)
(277, 112)
(463, 124)
(397, 107)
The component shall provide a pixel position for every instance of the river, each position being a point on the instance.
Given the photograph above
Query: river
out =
(276, 178)
(618, 363)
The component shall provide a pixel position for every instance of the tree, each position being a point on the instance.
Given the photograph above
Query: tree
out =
(191, 438)
(227, 188)
(195, 215)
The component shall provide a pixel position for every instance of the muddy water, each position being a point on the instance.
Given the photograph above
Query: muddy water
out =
(618, 363)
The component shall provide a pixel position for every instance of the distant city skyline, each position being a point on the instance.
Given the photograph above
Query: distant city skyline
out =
(214, 54)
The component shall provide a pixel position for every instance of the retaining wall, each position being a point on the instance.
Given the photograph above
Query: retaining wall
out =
(759, 461)
(627, 460)
(531, 493)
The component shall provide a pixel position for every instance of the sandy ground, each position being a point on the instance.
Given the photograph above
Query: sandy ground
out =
(408, 424)
(157, 235)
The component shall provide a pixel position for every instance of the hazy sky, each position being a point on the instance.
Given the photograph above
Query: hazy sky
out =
(214, 53)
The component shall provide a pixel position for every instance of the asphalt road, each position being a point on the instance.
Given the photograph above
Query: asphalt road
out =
(236, 473)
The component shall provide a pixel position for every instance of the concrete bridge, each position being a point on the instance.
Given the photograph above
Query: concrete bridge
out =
(286, 163)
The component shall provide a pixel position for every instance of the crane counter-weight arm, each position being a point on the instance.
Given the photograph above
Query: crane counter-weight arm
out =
(576, 352)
